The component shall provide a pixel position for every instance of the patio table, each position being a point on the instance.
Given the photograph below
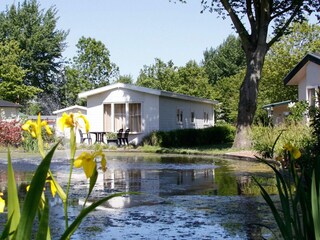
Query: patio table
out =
(99, 136)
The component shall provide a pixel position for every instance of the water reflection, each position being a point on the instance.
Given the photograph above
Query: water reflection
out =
(182, 198)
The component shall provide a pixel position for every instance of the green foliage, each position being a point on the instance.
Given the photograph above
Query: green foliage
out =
(282, 58)
(263, 137)
(36, 34)
(93, 63)
(12, 87)
(160, 76)
(193, 80)
(10, 133)
(224, 61)
(298, 112)
(190, 79)
(298, 214)
(74, 84)
(30, 144)
(127, 79)
(191, 137)
(226, 91)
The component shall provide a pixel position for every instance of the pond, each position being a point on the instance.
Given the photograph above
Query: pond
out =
(182, 197)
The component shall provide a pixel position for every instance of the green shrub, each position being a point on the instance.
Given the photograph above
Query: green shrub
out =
(191, 137)
(265, 137)
(30, 144)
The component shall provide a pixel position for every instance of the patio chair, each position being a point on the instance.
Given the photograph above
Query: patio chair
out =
(119, 136)
(125, 137)
(85, 136)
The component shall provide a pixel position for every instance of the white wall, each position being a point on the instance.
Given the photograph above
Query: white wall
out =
(310, 80)
(8, 113)
(66, 133)
(168, 114)
(149, 110)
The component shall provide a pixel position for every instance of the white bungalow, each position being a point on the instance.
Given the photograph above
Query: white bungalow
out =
(68, 110)
(9, 110)
(278, 111)
(143, 110)
(306, 75)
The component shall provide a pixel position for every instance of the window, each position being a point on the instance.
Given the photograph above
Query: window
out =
(205, 117)
(179, 115)
(192, 117)
(108, 118)
(312, 97)
(119, 116)
(135, 117)
(125, 115)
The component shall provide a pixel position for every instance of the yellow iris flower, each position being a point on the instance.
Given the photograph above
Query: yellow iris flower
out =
(87, 162)
(2, 203)
(293, 150)
(52, 186)
(34, 128)
(73, 120)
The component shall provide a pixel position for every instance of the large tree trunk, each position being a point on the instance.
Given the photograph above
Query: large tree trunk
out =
(248, 97)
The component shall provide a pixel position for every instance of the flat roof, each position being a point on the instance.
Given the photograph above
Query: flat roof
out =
(277, 104)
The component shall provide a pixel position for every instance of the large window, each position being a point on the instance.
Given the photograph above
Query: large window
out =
(108, 118)
(119, 116)
(135, 117)
(124, 115)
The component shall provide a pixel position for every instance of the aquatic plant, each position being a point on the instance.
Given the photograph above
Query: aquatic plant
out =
(298, 216)
(20, 223)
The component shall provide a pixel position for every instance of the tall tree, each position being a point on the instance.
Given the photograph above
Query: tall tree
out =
(190, 79)
(252, 20)
(160, 75)
(12, 87)
(93, 63)
(72, 85)
(42, 44)
(193, 80)
(128, 79)
(225, 60)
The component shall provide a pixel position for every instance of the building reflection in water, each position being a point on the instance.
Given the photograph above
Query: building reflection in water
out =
(155, 182)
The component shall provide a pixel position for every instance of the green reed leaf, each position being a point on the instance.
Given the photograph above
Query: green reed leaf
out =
(33, 197)
(43, 230)
(13, 199)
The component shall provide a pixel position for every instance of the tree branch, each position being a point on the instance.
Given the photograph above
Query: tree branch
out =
(250, 16)
(242, 31)
(281, 12)
(284, 27)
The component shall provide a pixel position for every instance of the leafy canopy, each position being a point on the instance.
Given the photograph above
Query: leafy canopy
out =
(36, 34)
(12, 87)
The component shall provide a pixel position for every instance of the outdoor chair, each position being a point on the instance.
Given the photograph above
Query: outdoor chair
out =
(125, 137)
(119, 136)
(85, 136)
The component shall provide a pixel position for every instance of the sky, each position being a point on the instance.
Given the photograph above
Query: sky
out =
(138, 31)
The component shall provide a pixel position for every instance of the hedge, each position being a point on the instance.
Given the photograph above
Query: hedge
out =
(191, 137)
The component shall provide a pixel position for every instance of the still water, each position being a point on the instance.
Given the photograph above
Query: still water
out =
(182, 197)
